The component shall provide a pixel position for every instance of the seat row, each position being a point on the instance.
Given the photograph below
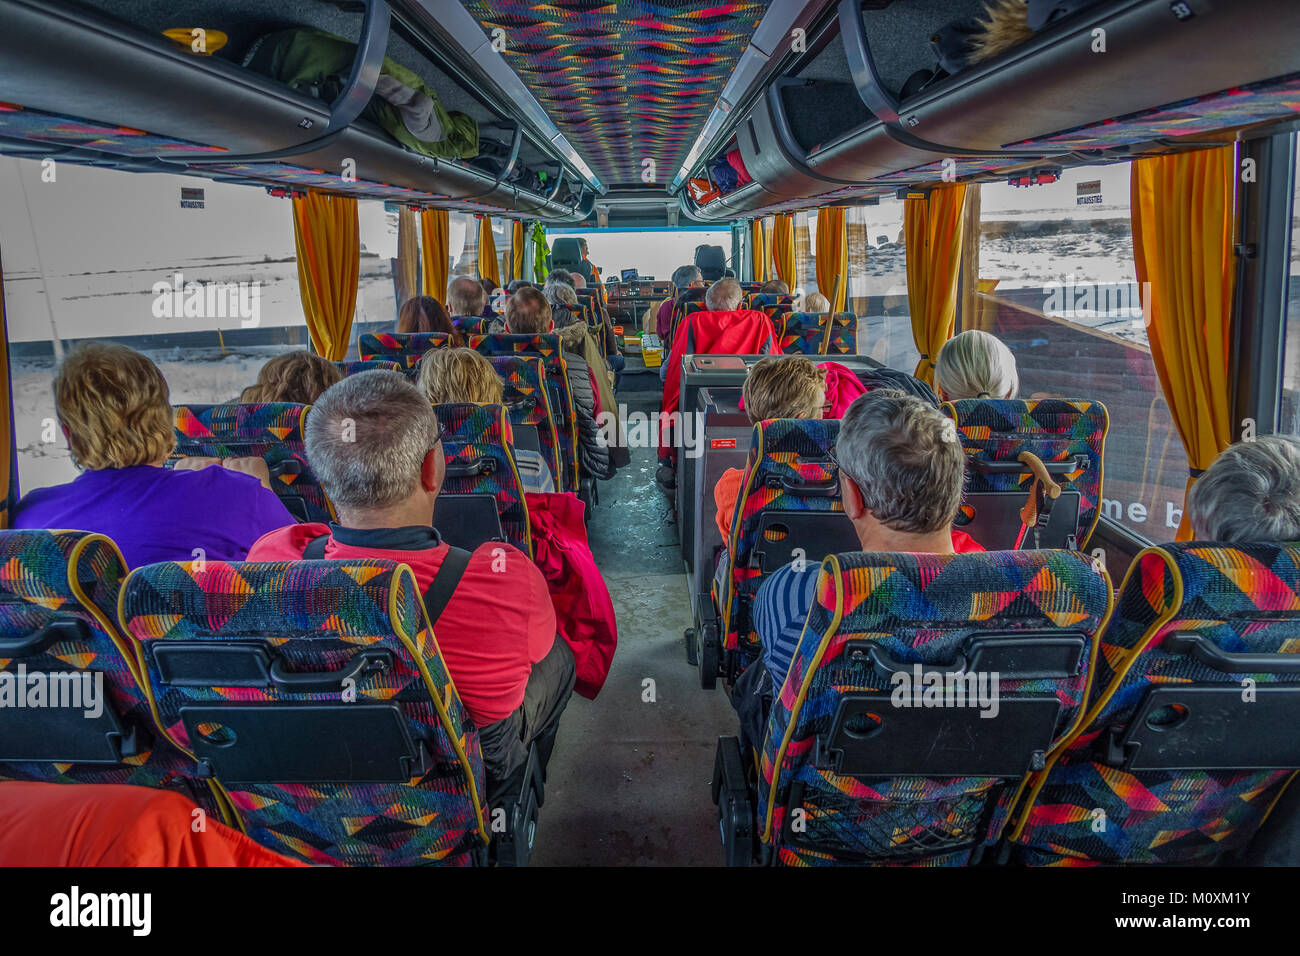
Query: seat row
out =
(1003, 707)
(481, 500)
(795, 333)
(305, 703)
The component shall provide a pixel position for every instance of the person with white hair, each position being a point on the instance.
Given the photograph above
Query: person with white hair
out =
(975, 364)
(1250, 493)
(724, 296)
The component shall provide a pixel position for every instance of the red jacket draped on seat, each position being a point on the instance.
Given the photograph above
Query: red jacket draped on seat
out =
(738, 332)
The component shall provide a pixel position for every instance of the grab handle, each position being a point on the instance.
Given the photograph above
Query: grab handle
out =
(369, 661)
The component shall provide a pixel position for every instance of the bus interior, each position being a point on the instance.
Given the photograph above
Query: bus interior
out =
(1105, 187)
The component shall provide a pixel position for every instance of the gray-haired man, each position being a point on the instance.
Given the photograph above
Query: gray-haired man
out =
(375, 445)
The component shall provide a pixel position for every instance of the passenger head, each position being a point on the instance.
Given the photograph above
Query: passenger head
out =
(901, 472)
(687, 277)
(774, 287)
(517, 284)
(784, 386)
(113, 405)
(816, 302)
(557, 293)
(372, 441)
(423, 313)
(465, 296)
(975, 364)
(528, 313)
(561, 275)
(489, 287)
(459, 375)
(1250, 493)
(723, 296)
(297, 376)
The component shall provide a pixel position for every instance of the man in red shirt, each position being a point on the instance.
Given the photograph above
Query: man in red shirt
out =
(375, 445)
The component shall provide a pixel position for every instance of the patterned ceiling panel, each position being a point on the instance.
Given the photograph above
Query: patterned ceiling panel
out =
(624, 82)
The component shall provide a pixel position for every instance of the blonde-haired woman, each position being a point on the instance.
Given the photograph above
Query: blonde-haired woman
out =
(113, 404)
(975, 364)
(463, 375)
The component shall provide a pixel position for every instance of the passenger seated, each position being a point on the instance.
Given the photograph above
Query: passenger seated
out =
(1250, 493)
(901, 478)
(684, 277)
(463, 375)
(375, 445)
(774, 287)
(778, 386)
(816, 303)
(562, 299)
(975, 364)
(528, 313)
(424, 313)
(112, 403)
(298, 376)
(466, 298)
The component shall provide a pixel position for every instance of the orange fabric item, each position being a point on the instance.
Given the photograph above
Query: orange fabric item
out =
(328, 241)
(833, 255)
(933, 228)
(725, 494)
(741, 332)
(488, 266)
(1183, 209)
(783, 251)
(435, 232)
(82, 824)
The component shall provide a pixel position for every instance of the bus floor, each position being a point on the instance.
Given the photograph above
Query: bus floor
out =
(628, 782)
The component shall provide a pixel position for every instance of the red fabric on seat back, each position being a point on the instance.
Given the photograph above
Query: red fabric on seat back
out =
(584, 612)
(739, 332)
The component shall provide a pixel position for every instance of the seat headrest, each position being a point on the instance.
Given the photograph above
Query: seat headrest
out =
(711, 261)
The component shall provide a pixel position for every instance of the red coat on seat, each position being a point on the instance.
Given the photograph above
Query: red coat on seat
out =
(740, 332)
(584, 613)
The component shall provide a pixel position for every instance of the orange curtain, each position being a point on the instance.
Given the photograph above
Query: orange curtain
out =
(1182, 208)
(932, 230)
(758, 250)
(783, 249)
(833, 255)
(408, 254)
(328, 240)
(8, 471)
(435, 233)
(517, 250)
(488, 268)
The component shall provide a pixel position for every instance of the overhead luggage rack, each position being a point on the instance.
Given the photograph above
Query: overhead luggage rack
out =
(137, 100)
(845, 118)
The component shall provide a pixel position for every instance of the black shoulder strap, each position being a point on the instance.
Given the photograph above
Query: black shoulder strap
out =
(445, 581)
(315, 549)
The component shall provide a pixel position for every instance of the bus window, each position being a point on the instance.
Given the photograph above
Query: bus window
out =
(208, 289)
(1289, 422)
(878, 284)
(1058, 286)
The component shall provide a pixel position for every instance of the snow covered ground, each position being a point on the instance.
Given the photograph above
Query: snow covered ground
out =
(194, 377)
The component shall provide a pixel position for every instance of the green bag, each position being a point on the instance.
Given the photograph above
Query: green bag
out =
(318, 63)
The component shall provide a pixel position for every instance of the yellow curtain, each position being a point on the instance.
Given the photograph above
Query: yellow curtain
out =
(408, 254)
(783, 249)
(932, 230)
(758, 250)
(487, 252)
(833, 255)
(435, 233)
(8, 475)
(1182, 208)
(328, 240)
(517, 250)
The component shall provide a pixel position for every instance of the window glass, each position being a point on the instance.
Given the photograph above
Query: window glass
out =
(1058, 286)
(878, 284)
(653, 252)
(1289, 422)
(200, 276)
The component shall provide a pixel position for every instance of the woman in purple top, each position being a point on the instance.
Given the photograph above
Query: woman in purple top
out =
(114, 407)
